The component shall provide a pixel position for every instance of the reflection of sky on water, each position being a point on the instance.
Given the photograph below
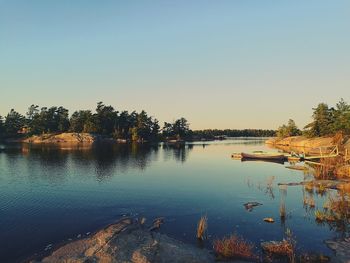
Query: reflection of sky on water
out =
(53, 194)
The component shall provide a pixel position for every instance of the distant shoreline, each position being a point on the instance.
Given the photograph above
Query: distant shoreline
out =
(89, 138)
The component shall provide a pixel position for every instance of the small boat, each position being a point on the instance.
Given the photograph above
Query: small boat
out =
(264, 156)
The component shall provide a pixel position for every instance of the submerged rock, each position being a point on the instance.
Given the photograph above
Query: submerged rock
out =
(341, 248)
(157, 223)
(126, 241)
(269, 220)
(250, 205)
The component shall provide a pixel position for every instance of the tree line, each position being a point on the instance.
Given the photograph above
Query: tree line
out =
(325, 121)
(106, 121)
(214, 133)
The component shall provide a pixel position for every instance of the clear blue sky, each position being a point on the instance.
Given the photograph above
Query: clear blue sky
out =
(221, 64)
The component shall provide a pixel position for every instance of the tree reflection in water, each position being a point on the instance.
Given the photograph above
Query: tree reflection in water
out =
(106, 159)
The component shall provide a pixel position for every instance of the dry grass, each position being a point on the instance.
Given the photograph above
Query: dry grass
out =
(234, 247)
(321, 189)
(202, 227)
(338, 139)
(309, 187)
(328, 167)
(320, 216)
(336, 212)
(323, 216)
(309, 202)
(340, 206)
(283, 248)
(286, 247)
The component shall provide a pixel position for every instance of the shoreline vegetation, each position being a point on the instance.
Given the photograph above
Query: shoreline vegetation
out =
(330, 127)
(55, 125)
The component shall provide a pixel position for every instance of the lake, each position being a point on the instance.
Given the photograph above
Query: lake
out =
(50, 195)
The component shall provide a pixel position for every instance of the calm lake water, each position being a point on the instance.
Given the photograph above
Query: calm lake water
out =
(50, 195)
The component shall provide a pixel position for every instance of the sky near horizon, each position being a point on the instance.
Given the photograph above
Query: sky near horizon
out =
(221, 64)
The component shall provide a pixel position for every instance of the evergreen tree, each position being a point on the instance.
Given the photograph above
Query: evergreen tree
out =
(79, 120)
(322, 121)
(14, 122)
(288, 130)
(2, 128)
(341, 117)
(106, 119)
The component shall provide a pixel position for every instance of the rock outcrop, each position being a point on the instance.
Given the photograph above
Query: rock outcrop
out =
(126, 241)
(301, 141)
(62, 138)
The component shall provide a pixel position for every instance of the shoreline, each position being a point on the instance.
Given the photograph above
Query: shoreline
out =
(301, 143)
(89, 138)
(312, 146)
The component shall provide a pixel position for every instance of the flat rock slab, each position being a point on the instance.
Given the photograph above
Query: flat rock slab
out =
(126, 241)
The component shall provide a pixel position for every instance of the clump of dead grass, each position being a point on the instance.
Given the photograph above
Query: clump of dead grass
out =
(234, 247)
(336, 212)
(284, 248)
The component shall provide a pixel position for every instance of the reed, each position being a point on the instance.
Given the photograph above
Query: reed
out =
(202, 227)
(283, 194)
(309, 202)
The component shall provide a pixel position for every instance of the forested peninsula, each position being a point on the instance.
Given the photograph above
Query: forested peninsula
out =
(55, 124)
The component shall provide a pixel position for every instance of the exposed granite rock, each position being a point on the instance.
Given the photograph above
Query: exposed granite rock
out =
(126, 241)
(62, 138)
(301, 141)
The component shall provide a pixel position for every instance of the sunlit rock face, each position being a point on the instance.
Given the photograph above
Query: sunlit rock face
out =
(126, 241)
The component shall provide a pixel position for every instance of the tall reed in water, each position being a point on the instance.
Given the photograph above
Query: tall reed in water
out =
(202, 227)
(283, 194)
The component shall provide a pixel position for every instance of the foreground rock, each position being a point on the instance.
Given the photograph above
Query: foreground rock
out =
(126, 241)
(341, 248)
